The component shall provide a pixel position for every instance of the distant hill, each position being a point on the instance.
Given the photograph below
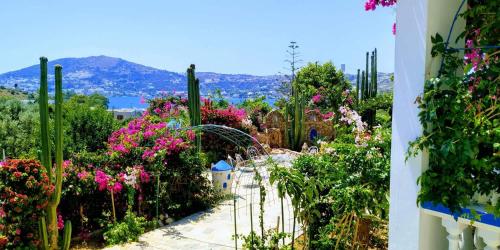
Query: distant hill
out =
(117, 77)
(13, 93)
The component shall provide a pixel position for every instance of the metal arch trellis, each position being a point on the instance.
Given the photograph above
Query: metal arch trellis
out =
(257, 157)
(232, 135)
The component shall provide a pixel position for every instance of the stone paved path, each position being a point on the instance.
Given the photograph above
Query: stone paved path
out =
(214, 229)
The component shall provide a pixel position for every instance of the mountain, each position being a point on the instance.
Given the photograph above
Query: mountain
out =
(117, 77)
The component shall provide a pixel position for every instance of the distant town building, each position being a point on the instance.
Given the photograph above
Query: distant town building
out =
(342, 67)
(124, 114)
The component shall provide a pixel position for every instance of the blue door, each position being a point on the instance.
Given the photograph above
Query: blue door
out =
(313, 134)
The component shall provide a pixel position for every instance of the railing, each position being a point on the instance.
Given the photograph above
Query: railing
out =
(473, 228)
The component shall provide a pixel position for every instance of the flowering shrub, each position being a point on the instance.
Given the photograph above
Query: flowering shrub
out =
(150, 147)
(24, 193)
(351, 118)
(231, 117)
(459, 113)
(216, 147)
(325, 85)
(343, 179)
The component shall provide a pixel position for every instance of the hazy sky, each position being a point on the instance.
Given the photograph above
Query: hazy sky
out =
(226, 36)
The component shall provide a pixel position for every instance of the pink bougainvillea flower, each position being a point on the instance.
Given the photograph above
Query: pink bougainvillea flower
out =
(394, 28)
(2, 213)
(370, 5)
(145, 178)
(102, 179)
(316, 98)
(142, 100)
(60, 222)
(83, 175)
(117, 187)
(191, 135)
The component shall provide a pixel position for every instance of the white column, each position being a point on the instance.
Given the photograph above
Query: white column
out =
(416, 21)
(490, 238)
(454, 230)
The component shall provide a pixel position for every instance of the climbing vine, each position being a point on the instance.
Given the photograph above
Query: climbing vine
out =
(459, 112)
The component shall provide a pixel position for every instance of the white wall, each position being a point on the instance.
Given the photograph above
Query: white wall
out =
(416, 21)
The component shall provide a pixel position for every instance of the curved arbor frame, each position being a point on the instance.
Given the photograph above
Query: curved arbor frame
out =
(255, 152)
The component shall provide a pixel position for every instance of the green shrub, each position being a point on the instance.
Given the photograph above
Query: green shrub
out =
(128, 230)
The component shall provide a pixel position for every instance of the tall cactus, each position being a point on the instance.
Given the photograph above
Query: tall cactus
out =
(363, 85)
(369, 85)
(194, 101)
(357, 88)
(375, 77)
(49, 233)
(297, 118)
(366, 77)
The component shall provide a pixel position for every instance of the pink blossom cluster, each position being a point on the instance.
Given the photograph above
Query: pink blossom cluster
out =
(316, 98)
(372, 4)
(105, 181)
(133, 176)
(60, 222)
(324, 116)
(231, 116)
(149, 137)
(473, 55)
(351, 117)
(328, 115)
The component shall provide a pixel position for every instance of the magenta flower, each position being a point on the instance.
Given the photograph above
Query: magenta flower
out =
(394, 28)
(370, 5)
(117, 187)
(83, 175)
(60, 222)
(102, 179)
(316, 98)
(191, 135)
(145, 178)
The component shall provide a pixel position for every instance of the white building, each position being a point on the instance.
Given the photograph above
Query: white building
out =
(410, 226)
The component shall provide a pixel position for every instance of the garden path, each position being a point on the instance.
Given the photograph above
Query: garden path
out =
(213, 229)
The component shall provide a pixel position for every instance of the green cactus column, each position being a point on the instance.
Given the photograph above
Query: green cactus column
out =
(366, 77)
(55, 176)
(357, 88)
(363, 86)
(375, 82)
(295, 111)
(194, 102)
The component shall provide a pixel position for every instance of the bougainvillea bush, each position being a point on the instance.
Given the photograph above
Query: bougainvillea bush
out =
(460, 115)
(153, 144)
(215, 146)
(24, 193)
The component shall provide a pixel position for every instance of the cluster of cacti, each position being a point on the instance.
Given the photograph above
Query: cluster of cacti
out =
(295, 117)
(367, 88)
(194, 101)
(49, 232)
(366, 85)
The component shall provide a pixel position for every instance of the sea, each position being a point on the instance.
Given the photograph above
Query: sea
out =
(134, 102)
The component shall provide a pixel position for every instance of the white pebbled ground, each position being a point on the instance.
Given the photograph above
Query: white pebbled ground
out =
(214, 229)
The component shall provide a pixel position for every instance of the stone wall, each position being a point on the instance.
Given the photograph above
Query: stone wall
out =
(274, 133)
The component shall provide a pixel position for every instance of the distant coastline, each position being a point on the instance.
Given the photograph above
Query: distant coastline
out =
(134, 102)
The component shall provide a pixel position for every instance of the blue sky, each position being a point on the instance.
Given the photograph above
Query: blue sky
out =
(226, 36)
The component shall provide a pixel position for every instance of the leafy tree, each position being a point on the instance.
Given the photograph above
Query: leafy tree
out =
(18, 128)
(327, 81)
(88, 123)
